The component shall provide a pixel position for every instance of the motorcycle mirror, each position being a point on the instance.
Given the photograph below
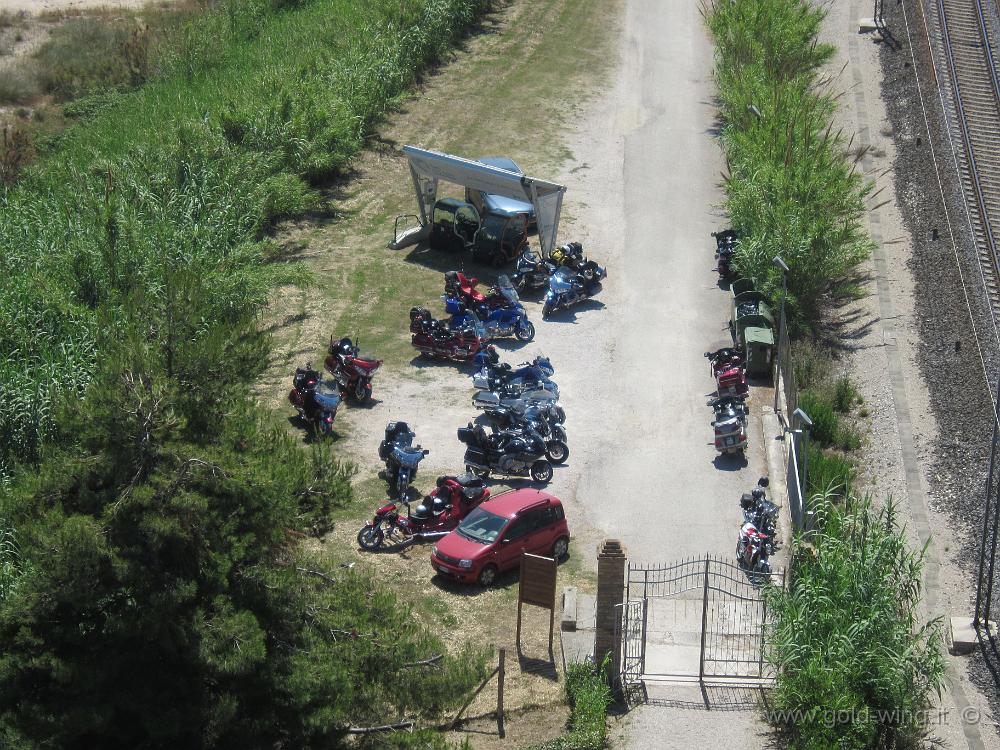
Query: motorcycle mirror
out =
(763, 482)
(426, 452)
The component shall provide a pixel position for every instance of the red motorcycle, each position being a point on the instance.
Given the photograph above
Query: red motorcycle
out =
(435, 516)
(462, 287)
(729, 369)
(435, 338)
(351, 371)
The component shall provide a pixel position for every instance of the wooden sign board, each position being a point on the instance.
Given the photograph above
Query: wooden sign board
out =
(537, 586)
(538, 581)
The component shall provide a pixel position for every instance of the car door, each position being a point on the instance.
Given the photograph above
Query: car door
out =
(542, 536)
(512, 543)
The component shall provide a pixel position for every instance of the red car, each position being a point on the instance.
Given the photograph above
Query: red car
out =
(493, 537)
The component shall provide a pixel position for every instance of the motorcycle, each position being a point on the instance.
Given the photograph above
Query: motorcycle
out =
(540, 421)
(730, 424)
(568, 287)
(436, 515)
(532, 272)
(490, 401)
(315, 401)
(517, 454)
(533, 375)
(351, 371)
(463, 288)
(434, 338)
(729, 368)
(401, 457)
(509, 320)
(725, 249)
(761, 512)
(752, 551)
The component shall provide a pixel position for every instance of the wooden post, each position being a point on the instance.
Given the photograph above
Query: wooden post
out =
(500, 677)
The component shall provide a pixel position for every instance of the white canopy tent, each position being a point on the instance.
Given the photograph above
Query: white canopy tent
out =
(428, 167)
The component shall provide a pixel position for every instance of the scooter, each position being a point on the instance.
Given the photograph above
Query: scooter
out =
(352, 372)
(315, 401)
(729, 424)
(437, 514)
(568, 287)
(508, 453)
(401, 457)
(725, 249)
(434, 338)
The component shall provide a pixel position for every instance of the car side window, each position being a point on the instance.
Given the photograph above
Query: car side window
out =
(560, 514)
(519, 528)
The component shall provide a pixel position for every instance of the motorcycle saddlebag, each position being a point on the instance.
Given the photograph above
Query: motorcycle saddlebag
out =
(475, 457)
(480, 382)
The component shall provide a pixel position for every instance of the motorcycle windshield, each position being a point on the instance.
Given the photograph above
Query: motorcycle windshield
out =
(561, 281)
(408, 457)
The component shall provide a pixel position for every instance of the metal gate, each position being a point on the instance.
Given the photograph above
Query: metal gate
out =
(695, 620)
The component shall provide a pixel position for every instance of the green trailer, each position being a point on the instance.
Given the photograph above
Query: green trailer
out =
(752, 326)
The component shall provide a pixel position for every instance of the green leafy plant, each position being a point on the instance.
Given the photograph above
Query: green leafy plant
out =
(856, 666)
(792, 189)
(845, 395)
(589, 697)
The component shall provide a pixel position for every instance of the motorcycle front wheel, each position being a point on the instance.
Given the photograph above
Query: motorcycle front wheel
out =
(525, 331)
(370, 537)
(559, 433)
(557, 451)
(541, 471)
(361, 391)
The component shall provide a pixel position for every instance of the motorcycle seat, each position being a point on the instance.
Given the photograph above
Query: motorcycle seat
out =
(470, 480)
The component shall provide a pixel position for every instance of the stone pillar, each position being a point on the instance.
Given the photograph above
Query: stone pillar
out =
(611, 560)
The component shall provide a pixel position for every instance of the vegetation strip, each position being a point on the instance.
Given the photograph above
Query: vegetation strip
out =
(153, 585)
(589, 697)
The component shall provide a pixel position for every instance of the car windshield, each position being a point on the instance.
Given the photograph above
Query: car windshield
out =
(482, 526)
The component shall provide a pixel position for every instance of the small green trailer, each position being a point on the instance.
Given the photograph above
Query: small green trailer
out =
(752, 325)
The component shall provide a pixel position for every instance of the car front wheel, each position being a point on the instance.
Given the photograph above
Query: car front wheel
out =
(560, 548)
(487, 576)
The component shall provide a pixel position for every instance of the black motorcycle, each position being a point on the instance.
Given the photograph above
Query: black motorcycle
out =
(725, 249)
(401, 457)
(539, 420)
(761, 513)
(510, 453)
(532, 272)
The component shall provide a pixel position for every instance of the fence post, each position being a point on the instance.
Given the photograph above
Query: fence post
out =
(611, 562)
(991, 499)
(704, 624)
(500, 677)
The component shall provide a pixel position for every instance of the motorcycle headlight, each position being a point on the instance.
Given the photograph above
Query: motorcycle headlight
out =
(465, 564)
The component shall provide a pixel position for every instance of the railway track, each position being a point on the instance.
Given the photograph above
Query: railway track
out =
(970, 51)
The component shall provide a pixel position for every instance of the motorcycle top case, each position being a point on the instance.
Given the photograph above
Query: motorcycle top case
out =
(486, 400)
(467, 435)
(327, 397)
(453, 307)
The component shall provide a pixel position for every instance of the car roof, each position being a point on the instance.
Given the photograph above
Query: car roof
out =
(502, 162)
(508, 504)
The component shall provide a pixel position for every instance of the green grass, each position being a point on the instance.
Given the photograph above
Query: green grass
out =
(589, 698)
(249, 106)
(792, 190)
(856, 667)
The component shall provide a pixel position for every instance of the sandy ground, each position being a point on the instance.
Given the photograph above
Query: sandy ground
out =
(40, 6)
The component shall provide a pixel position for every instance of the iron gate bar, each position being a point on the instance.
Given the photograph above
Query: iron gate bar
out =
(733, 618)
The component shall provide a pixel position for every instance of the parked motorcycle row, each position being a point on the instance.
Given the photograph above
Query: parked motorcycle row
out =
(758, 535)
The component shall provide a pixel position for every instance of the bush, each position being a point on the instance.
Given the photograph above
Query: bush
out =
(845, 395)
(829, 473)
(791, 189)
(855, 667)
(18, 85)
(589, 698)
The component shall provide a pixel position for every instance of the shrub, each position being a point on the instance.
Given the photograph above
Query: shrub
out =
(855, 666)
(589, 698)
(829, 473)
(845, 395)
(825, 422)
(18, 85)
(791, 189)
